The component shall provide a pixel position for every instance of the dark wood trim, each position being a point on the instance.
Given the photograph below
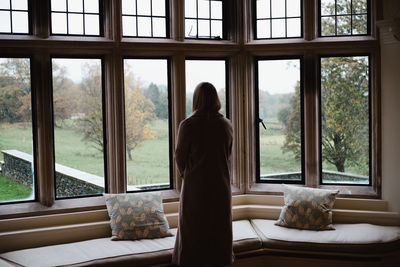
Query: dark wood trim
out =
(44, 131)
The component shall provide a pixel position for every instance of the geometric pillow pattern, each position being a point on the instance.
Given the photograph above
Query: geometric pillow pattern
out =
(136, 216)
(307, 208)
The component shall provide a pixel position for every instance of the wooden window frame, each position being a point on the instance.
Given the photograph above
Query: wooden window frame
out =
(240, 48)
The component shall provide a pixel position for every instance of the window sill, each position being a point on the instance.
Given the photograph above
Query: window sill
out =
(345, 191)
(19, 210)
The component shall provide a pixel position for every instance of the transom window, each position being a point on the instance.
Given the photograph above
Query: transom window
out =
(344, 17)
(278, 19)
(204, 19)
(145, 18)
(14, 16)
(75, 17)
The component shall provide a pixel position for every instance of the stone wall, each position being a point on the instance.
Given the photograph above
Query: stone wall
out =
(328, 176)
(18, 167)
(70, 182)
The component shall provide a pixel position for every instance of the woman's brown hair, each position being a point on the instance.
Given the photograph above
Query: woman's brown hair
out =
(205, 98)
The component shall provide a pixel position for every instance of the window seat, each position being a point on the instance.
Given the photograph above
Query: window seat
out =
(364, 230)
(104, 252)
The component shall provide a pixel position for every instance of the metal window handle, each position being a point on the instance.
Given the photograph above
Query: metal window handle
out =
(262, 122)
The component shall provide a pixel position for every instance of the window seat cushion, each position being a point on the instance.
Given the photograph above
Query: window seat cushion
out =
(366, 239)
(104, 252)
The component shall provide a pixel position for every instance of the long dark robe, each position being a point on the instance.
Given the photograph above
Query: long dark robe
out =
(203, 153)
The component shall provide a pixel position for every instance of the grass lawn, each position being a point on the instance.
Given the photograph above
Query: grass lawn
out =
(150, 163)
(10, 190)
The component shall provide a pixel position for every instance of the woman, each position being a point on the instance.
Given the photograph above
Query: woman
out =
(202, 155)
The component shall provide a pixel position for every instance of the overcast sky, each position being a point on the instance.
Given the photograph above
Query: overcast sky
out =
(275, 76)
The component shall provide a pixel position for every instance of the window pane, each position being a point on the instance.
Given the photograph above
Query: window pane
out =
(159, 27)
(5, 22)
(57, 5)
(92, 25)
(328, 26)
(293, 8)
(147, 124)
(158, 7)
(263, 9)
(279, 102)
(190, 8)
(343, 7)
(345, 120)
(75, 25)
(343, 25)
(190, 28)
(20, 22)
(212, 71)
(92, 6)
(216, 29)
(360, 24)
(129, 7)
(204, 8)
(4, 4)
(78, 127)
(216, 9)
(293, 28)
(59, 23)
(360, 6)
(204, 28)
(75, 5)
(278, 28)
(278, 8)
(16, 138)
(263, 29)
(327, 7)
(144, 26)
(143, 7)
(19, 4)
(129, 26)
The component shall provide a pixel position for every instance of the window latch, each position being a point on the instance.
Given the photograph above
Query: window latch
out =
(262, 122)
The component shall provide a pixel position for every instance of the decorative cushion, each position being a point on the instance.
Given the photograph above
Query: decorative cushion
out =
(307, 208)
(136, 216)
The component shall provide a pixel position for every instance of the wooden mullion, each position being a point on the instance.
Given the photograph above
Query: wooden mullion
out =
(311, 119)
(178, 109)
(41, 74)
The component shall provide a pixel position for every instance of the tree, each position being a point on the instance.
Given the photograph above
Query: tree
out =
(139, 112)
(15, 90)
(344, 114)
(293, 125)
(65, 95)
(90, 104)
(159, 97)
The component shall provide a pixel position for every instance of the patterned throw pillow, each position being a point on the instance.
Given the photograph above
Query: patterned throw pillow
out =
(136, 216)
(307, 208)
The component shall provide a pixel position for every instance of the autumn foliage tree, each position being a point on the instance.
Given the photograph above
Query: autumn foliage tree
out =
(15, 90)
(139, 112)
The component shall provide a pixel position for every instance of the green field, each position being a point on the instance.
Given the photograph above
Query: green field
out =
(150, 162)
(10, 190)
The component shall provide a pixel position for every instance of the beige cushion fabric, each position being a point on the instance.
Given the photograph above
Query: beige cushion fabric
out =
(244, 237)
(105, 252)
(348, 238)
